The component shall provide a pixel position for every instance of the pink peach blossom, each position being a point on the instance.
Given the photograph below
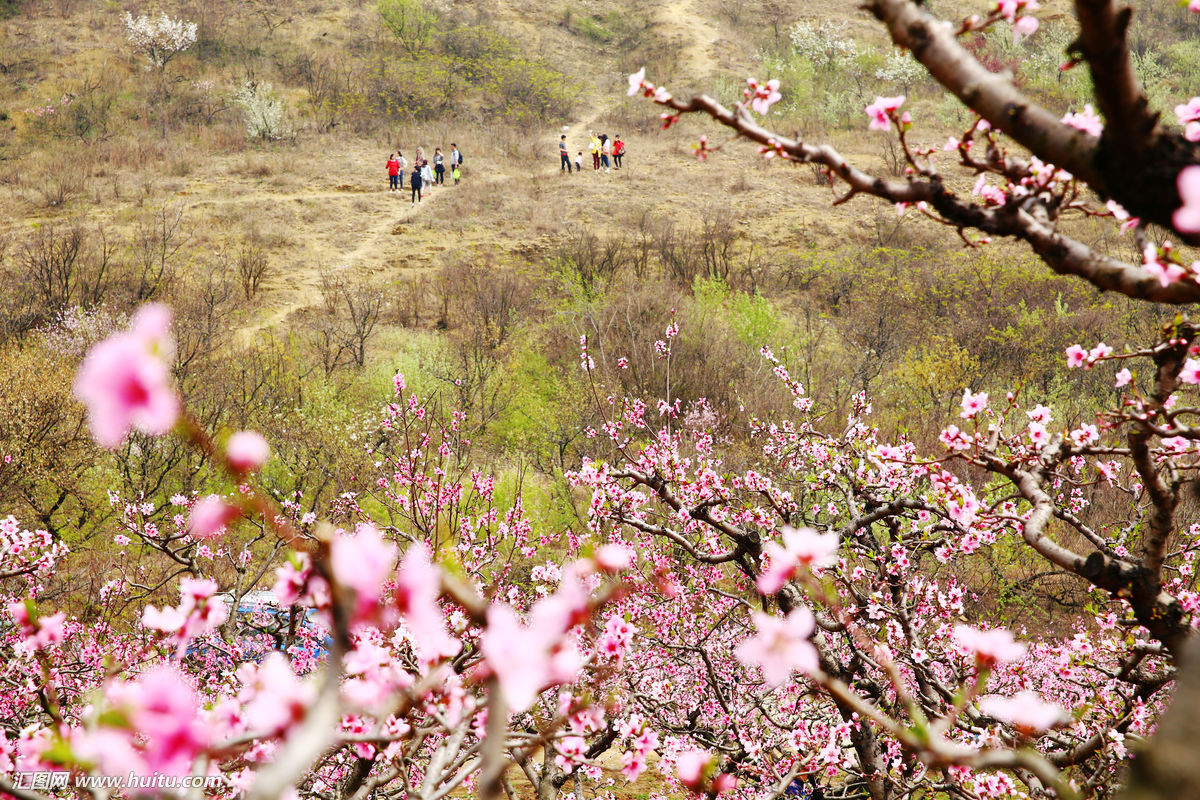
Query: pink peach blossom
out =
(882, 110)
(247, 451)
(781, 645)
(1087, 120)
(1164, 269)
(690, 766)
(418, 583)
(1040, 414)
(363, 561)
(1025, 711)
(972, 404)
(519, 655)
(636, 80)
(1189, 116)
(1024, 26)
(801, 547)
(165, 710)
(273, 696)
(762, 95)
(125, 380)
(209, 517)
(995, 646)
(1187, 216)
(614, 557)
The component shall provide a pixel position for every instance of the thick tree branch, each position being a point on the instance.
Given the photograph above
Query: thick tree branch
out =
(1136, 164)
(1158, 611)
(1060, 252)
(1166, 766)
(993, 97)
(1104, 45)
(1162, 496)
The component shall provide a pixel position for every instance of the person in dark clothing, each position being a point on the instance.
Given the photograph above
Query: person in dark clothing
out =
(801, 789)
(415, 181)
(797, 789)
(439, 167)
(563, 156)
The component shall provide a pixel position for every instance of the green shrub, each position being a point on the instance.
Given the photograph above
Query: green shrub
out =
(412, 22)
(527, 91)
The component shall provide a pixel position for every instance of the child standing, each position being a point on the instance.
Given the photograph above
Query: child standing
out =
(578, 162)
(426, 174)
(415, 182)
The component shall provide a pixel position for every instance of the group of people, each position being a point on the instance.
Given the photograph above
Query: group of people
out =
(425, 174)
(606, 152)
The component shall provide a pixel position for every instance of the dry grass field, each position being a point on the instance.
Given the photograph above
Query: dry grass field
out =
(320, 200)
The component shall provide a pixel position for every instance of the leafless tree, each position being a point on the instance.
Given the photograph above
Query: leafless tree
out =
(350, 310)
(157, 242)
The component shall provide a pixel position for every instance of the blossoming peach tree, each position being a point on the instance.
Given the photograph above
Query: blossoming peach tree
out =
(746, 631)
(369, 668)
(737, 630)
(905, 520)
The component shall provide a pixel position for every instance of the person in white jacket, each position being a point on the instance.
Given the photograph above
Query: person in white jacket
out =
(403, 166)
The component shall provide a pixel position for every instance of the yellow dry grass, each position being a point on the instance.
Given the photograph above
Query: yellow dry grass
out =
(324, 202)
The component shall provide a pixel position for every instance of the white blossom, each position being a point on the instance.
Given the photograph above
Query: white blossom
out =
(159, 39)
(262, 110)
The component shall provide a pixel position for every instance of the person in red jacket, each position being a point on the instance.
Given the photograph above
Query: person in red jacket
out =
(618, 151)
(393, 168)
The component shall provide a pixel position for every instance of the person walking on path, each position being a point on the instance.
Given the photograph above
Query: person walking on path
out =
(578, 162)
(439, 167)
(606, 149)
(415, 182)
(455, 161)
(594, 149)
(563, 156)
(393, 169)
(618, 151)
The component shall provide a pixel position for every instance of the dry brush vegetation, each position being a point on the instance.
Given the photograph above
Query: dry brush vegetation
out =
(242, 182)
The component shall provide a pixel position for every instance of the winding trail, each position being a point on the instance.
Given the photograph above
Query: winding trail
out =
(302, 287)
(697, 37)
(297, 286)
